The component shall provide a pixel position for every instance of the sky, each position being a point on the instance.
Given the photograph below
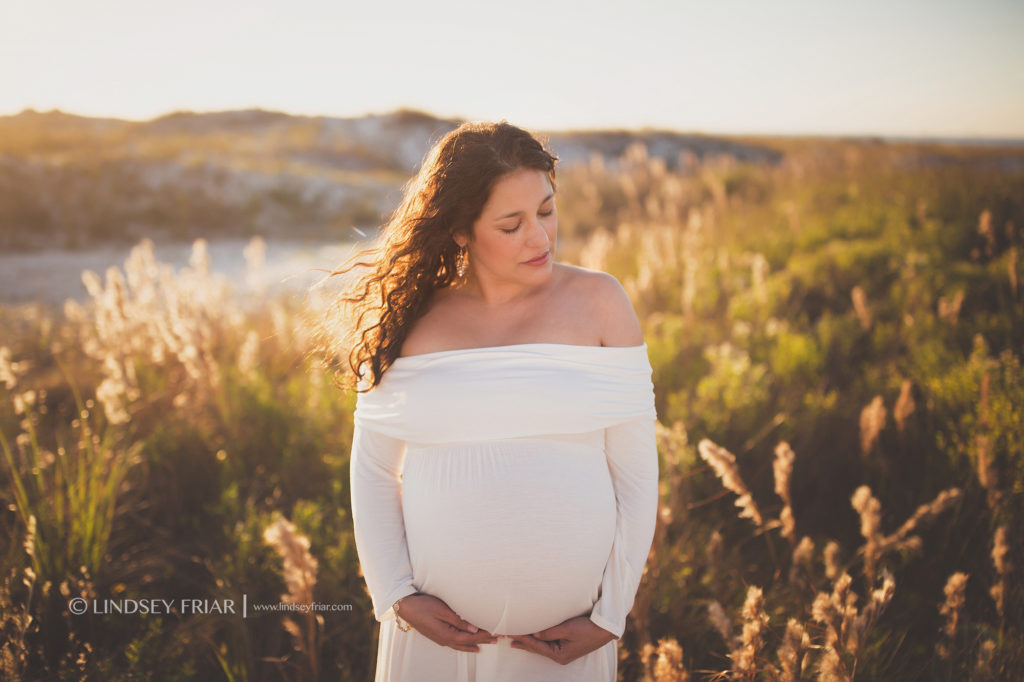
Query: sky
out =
(871, 67)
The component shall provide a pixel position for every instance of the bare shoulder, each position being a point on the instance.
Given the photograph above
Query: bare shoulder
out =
(609, 303)
(429, 332)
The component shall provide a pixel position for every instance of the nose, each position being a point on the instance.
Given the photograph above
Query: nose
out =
(538, 236)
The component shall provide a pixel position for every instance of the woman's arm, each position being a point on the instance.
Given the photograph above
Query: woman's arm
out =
(632, 455)
(375, 469)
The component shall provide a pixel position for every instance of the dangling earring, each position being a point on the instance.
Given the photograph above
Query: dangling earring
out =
(460, 262)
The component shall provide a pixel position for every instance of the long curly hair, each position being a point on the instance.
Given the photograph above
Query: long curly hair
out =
(416, 253)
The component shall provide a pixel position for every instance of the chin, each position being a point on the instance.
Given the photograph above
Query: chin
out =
(542, 273)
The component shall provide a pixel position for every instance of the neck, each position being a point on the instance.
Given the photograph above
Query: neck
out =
(495, 293)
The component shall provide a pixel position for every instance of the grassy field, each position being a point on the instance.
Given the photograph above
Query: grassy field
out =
(836, 342)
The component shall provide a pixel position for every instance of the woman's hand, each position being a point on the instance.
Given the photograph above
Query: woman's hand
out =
(436, 621)
(565, 642)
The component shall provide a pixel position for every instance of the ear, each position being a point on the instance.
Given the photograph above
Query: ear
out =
(460, 239)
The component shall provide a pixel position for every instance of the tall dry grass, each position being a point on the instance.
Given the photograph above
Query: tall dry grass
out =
(784, 308)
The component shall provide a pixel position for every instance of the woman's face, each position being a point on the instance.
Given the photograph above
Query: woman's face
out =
(514, 236)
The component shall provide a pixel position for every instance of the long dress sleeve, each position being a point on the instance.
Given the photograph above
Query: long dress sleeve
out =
(631, 451)
(375, 469)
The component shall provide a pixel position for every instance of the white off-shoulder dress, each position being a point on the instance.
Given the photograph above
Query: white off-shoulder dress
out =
(518, 484)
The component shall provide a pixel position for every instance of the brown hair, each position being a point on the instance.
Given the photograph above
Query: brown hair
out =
(417, 253)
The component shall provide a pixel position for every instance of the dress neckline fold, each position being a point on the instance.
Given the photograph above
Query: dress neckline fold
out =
(509, 391)
(572, 347)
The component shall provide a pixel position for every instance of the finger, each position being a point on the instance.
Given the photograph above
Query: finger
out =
(469, 638)
(480, 632)
(559, 651)
(450, 618)
(467, 626)
(459, 623)
(458, 640)
(529, 643)
(480, 637)
(469, 642)
(449, 637)
(549, 645)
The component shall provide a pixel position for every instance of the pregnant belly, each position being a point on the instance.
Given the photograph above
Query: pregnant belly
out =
(513, 535)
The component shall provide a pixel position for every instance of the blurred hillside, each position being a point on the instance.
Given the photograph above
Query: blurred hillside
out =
(73, 182)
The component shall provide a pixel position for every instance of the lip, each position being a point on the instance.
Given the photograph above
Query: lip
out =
(539, 260)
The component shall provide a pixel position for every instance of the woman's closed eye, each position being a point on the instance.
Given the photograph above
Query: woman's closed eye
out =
(543, 214)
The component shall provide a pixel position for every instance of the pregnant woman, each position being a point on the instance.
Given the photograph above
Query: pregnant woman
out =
(504, 473)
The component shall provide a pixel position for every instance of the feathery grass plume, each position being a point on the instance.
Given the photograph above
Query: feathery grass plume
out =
(987, 475)
(878, 545)
(22, 401)
(905, 405)
(999, 551)
(755, 622)
(714, 571)
(108, 342)
(669, 666)
(30, 538)
(714, 552)
(985, 230)
(119, 383)
(870, 511)
(783, 469)
(300, 566)
(9, 371)
(831, 557)
(949, 309)
(830, 610)
(838, 613)
(857, 631)
(255, 254)
(954, 590)
(657, 259)
(168, 319)
(595, 253)
(248, 356)
(691, 261)
(16, 620)
(724, 464)
(648, 262)
(300, 569)
(665, 516)
(803, 555)
(718, 618)
(629, 189)
(983, 663)
(646, 653)
(673, 443)
(902, 539)
(860, 305)
(793, 651)
(872, 421)
(830, 667)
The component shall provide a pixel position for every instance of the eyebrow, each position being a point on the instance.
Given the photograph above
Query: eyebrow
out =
(515, 213)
